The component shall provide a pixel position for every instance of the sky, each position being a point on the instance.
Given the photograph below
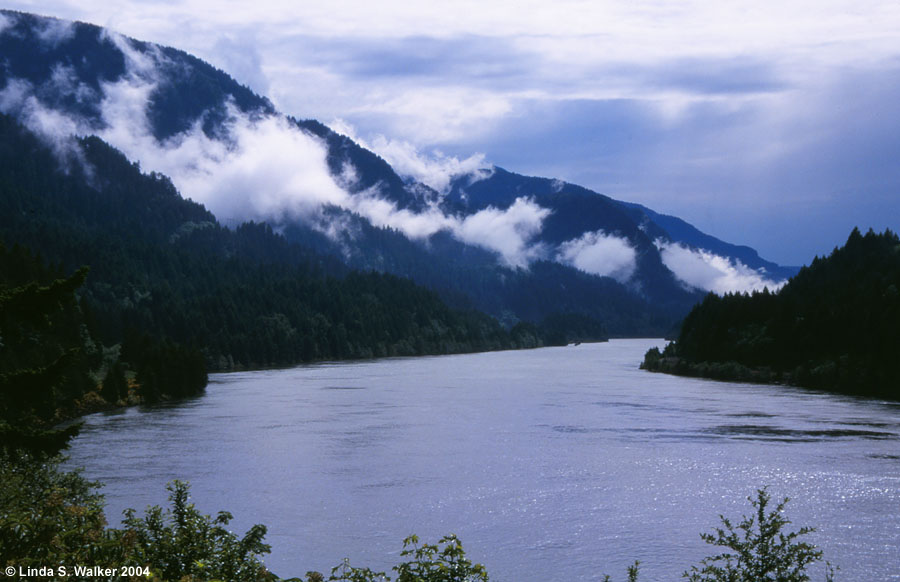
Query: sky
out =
(770, 124)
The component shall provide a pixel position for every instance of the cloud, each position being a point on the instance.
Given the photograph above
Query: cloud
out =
(53, 32)
(704, 270)
(712, 95)
(771, 125)
(506, 232)
(64, 82)
(600, 254)
(433, 114)
(270, 170)
(55, 128)
(265, 167)
(436, 170)
(415, 225)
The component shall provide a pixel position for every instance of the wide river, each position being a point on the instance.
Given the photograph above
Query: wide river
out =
(554, 464)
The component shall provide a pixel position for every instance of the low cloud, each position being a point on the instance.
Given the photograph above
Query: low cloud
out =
(436, 170)
(265, 167)
(704, 270)
(506, 232)
(64, 81)
(384, 213)
(53, 32)
(5, 22)
(600, 254)
(54, 128)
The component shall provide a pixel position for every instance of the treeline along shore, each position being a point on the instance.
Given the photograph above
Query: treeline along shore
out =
(835, 326)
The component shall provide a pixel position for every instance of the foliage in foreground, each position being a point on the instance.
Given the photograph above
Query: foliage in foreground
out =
(48, 516)
(445, 561)
(758, 549)
(183, 544)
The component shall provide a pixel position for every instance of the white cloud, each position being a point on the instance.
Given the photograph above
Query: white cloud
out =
(55, 128)
(5, 23)
(710, 272)
(268, 168)
(436, 170)
(65, 81)
(435, 114)
(138, 63)
(600, 254)
(53, 32)
(415, 225)
(506, 232)
(271, 171)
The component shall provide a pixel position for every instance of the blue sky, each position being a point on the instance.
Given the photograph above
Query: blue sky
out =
(772, 124)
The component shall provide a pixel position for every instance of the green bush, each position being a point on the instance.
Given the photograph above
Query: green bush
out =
(49, 517)
(185, 545)
(758, 549)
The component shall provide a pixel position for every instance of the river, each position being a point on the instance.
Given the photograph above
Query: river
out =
(553, 464)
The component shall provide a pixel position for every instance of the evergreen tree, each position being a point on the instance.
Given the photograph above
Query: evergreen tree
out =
(43, 364)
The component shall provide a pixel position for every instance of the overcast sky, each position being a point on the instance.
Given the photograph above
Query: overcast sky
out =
(772, 124)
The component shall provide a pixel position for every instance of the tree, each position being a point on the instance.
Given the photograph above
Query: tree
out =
(760, 551)
(115, 386)
(43, 364)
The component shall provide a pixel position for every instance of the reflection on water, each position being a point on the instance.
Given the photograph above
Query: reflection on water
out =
(553, 464)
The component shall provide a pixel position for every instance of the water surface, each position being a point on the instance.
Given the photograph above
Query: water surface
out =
(552, 464)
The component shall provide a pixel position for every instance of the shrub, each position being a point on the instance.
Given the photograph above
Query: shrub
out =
(48, 516)
(183, 544)
(760, 551)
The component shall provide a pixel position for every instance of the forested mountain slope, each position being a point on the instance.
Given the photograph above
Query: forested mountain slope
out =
(522, 249)
(834, 326)
(162, 266)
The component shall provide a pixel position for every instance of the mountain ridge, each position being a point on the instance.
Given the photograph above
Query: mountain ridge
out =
(228, 148)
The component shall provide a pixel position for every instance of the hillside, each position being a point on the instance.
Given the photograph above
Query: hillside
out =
(519, 248)
(162, 266)
(835, 326)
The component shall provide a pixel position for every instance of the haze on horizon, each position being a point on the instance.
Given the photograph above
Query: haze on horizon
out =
(771, 125)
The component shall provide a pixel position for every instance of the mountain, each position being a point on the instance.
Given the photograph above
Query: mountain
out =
(518, 248)
(834, 326)
(163, 270)
(676, 230)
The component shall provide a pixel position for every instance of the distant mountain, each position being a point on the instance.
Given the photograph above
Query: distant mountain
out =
(516, 247)
(834, 326)
(675, 230)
